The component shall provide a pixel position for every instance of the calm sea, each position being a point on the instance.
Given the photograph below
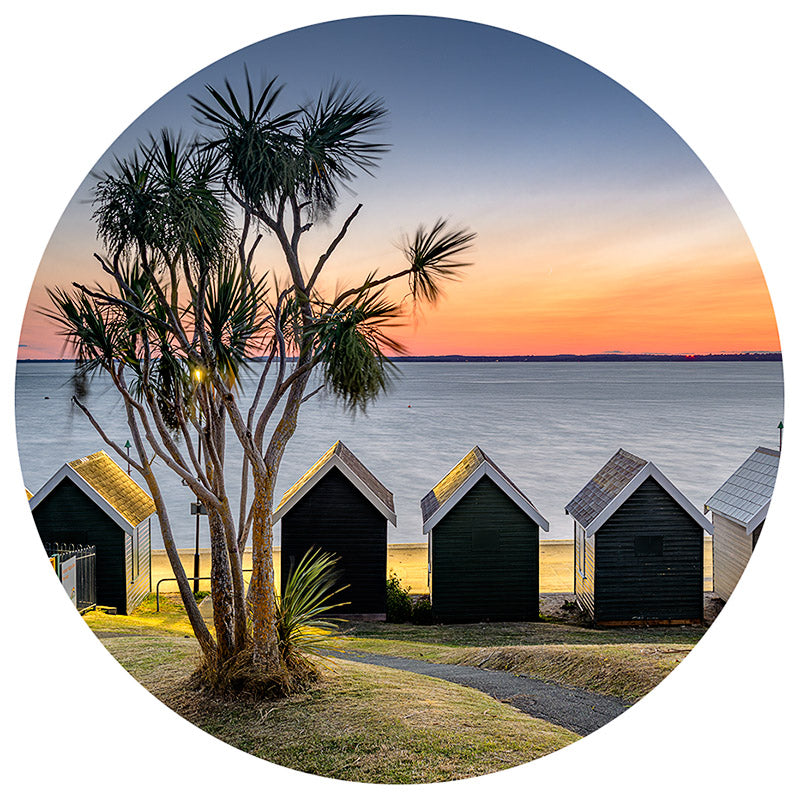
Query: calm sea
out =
(550, 427)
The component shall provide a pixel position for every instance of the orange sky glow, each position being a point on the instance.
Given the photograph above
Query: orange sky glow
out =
(598, 229)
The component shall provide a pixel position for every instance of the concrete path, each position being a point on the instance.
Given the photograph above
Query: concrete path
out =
(575, 709)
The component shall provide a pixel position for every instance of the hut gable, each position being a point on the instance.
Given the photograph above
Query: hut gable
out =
(92, 501)
(461, 479)
(614, 484)
(745, 497)
(107, 485)
(341, 458)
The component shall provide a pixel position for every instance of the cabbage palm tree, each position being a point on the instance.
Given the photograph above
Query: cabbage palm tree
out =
(186, 307)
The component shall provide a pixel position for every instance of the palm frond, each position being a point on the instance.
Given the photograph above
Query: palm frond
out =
(235, 319)
(350, 345)
(433, 256)
(333, 147)
(256, 145)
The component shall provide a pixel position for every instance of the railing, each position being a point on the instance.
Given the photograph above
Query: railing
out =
(193, 579)
(85, 586)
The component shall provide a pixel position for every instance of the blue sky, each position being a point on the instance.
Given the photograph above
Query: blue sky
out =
(563, 173)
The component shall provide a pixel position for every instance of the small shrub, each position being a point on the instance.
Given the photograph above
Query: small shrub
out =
(422, 613)
(398, 600)
(309, 595)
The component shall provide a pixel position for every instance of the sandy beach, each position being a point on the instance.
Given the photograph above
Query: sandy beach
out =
(410, 562)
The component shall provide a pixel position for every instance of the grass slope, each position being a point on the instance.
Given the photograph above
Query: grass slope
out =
(372, 724)
(361, 723)
(624, 662)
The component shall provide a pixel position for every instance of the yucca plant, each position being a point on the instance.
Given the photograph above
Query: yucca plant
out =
(308, 597)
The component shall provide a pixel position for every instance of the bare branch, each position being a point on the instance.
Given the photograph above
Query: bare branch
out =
(115, 447)
(333, 245)
(311, 394)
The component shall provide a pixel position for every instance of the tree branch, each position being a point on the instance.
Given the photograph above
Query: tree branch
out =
(116, 448)
(333, 245)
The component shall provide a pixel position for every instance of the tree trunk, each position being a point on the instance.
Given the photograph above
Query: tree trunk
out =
(221, 592)
(262, 591)
(237, 577)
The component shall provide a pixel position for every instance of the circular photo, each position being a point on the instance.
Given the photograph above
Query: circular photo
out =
(399, 400)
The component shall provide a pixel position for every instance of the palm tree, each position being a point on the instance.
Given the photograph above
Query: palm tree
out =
(188, 308)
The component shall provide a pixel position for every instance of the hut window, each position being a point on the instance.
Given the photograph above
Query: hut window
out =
(648, 545)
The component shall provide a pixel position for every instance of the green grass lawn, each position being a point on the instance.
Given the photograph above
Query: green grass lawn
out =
(360, 723)
(368, 723)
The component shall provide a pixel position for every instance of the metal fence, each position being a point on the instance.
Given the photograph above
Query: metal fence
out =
(85, 585)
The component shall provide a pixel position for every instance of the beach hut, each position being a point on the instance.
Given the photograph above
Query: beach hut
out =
(483, 545)
(92, 501)
(738, 509)
(340, 507)
(638, 546)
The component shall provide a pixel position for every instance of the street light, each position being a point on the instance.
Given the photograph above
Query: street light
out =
(197, 508)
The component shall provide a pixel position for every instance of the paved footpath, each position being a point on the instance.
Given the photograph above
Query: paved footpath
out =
(575, 709)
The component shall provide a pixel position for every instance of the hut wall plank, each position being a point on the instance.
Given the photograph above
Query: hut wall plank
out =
(732, 547)
(335, 517)
(140, 587)
(659, 587)
(485, 560)
(584, 584)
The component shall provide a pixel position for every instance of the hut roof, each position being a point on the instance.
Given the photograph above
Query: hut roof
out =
(745, 496)
(614, 483)
(106, 484)
(464, 475)
(341, 457)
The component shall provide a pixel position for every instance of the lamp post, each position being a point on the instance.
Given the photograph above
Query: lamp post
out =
(197, 531)
(127, 447)
(198, 506)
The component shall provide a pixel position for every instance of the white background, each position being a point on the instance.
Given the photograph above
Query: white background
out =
(723, 74)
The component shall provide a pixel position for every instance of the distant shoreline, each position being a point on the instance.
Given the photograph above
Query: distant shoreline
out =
(563, 357)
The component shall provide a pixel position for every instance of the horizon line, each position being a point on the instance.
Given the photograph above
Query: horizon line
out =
(529, 356)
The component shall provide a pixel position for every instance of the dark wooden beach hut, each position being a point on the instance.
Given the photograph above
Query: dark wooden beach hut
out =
(92, 501)
(638, 546)
(738, 509)
(340, 507)
(483, 545)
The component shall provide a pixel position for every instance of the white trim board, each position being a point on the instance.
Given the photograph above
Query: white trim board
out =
(750, 526)
(335, 461)
(649, 470)
(66, 471)
(485, 469)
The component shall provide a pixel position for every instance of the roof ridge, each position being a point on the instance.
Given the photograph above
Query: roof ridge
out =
(351, 462)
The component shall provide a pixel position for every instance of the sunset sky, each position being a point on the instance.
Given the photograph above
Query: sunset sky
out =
(598, 229)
